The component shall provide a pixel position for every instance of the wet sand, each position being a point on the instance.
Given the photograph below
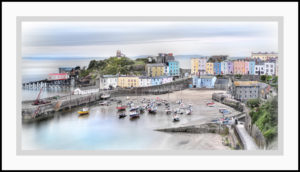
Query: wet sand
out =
(201, 114)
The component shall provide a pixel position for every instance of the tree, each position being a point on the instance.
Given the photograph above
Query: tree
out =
(263, 78)
(92, 64)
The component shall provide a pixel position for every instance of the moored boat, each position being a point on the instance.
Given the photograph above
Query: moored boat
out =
(134, 114)
(84, 111)
(152, 110)
(176, 118)
(188, 112)
(210, 104)
(121, 107)
(122, 115)
(168, 111)
(105, 96)
(105, 103)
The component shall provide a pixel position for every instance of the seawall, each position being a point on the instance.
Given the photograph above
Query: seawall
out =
(252, 129)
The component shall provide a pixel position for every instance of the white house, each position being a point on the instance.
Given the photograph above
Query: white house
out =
(270, 68)
(259, 69)
(224, 67)
(202, 65)
(145, 81)
(107, 81)
(77, 91)
(167, 79)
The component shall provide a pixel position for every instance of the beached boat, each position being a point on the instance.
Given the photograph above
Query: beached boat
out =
(210, 104)
(181, 111)
(179, 101)
(122, 115)
(188, 112)
(134, 114)
(133, 108)
(152, 110)
(84, 111)
(141, 109)
(121, 107)
(105, 103)
(105, 96)
(168, 111)
(224, 111)
(176, 118)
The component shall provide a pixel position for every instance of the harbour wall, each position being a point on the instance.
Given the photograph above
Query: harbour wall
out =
(252, 129)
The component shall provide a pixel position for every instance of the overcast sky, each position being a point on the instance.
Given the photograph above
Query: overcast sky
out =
(102, 39)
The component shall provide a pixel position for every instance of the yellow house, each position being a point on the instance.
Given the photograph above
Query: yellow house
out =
(194, 66)
(128, 81)
(154, 70)
(209, 68)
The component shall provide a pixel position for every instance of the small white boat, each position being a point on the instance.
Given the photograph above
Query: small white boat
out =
(84, 111)
(176, 118)
(105, 103)
(188, 112)
(105, 96)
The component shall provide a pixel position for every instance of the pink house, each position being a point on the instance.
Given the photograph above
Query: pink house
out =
(246, 69)
(239, 67)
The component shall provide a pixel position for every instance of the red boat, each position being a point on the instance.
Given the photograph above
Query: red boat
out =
(121, 107)
(211, 104)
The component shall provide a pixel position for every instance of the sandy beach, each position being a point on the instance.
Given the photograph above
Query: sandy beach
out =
(201, 114)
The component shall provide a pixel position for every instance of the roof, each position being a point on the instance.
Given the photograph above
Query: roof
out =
(145, 77)
(173, 61)
(57, 74)
(264, 53)
(245, 83)
(207, 77)
(156, 64)
(109, 76)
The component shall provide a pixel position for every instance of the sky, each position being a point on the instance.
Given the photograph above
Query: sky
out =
(102, 39)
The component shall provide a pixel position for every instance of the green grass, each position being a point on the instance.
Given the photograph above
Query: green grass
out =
(265, 117)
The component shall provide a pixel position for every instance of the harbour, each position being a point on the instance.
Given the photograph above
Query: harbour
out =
(103, 129)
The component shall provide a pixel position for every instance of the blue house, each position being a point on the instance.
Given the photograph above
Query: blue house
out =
(252, 67)
(217, 68)
(156, 81)
(204, 81)
(173, 68)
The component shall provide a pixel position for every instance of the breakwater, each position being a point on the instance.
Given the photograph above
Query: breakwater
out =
(200, 129)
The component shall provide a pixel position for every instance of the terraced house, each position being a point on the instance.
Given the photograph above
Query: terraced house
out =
(230, 67)
(209, 68)
(217, 68)
(173, 68)
(252, 67)
(154, 70)
(128, 81)
(194, 66)
(239, 67)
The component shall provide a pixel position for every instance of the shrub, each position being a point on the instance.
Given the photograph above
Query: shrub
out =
(253, 103)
